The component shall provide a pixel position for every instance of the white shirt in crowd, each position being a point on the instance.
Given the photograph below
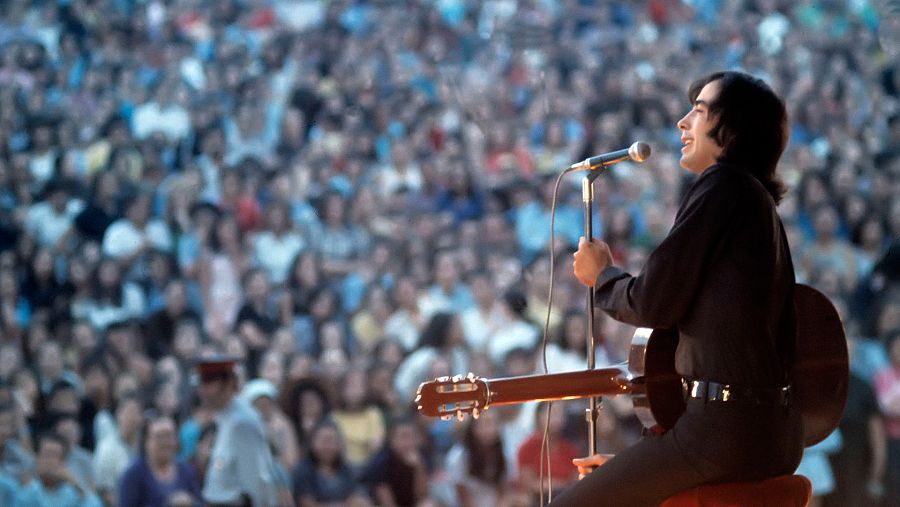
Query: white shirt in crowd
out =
(122, 239)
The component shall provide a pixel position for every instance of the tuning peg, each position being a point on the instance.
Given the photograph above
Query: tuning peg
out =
(446, 417)
(460, 415)
(476, 413)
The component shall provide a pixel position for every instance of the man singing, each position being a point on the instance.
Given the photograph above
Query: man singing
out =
(723, 277)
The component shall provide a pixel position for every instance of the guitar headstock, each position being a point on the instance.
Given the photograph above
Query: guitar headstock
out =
(458, 395)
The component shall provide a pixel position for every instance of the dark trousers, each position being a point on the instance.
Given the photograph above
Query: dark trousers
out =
(711, 442)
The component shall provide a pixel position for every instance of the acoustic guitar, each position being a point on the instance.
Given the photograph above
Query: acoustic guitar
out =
(820, 375)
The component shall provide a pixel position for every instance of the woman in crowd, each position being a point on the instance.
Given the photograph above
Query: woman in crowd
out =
(155, 478)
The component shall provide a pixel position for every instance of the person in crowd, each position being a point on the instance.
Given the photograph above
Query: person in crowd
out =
(859, 465)
(242, 470)
(887, 390)
(476, 466)
(397, 475)
(53, 484)
(16, 460)
(358, 418)
(324, 476)
(263, 395)
(119, 447)
(156, 478)
(441, 338)
(557, 463)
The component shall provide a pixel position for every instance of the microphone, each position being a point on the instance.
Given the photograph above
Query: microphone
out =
(637, 152)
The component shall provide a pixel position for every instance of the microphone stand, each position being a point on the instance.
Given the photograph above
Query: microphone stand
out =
(593, 410)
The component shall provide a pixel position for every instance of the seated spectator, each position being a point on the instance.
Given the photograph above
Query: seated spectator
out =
(307, 405)
(79, 461)
(441, 338)
(116, 450)
(476, 466)
(155, 478)
(263, 395)
(397, 475)
(16, 461)
(112, 299)
(325, 476)
(51, 218)
(159, 326)
(358, 418)
(129, 238)
(558, 462)
(54, 485)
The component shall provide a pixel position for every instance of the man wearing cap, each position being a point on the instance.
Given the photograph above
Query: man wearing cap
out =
(241, 469)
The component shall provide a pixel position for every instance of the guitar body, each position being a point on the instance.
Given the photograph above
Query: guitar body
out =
(655, 385)
(821, 372)
(820, 377)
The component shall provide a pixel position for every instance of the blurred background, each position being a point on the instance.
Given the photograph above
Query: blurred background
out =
(354, 196)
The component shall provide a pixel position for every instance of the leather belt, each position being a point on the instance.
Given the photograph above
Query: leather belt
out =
(715, 391)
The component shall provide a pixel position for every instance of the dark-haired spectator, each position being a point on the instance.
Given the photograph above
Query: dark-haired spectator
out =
(257, 318)
(324, 476)
(407, 321)
(42, 287)
(339, 242)
(359, 419)
(476, 466)
(117, 448)
(397, 475)
(50, 219)
(112, 298)
(79, 461)
(556, 465)
(16, 461)
(448, 292)
(307, 405)
(515, 332)
(101, 208)
(441, 338)
(156, 478)
(159, 326)
(486, 317)
(54, 484)
(222, 265)
(276, 246)
(129, 238)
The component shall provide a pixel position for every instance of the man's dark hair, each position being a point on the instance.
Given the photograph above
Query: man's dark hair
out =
(751, 125)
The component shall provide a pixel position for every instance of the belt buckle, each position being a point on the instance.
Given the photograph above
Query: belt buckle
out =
(695, 389)
(724, 393)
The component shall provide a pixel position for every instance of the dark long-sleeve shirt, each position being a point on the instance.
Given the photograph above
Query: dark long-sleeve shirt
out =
(723, 277)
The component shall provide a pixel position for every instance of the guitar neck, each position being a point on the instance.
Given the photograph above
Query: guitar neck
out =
(558, 386)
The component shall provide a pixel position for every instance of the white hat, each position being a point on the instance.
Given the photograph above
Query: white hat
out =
(258, 387)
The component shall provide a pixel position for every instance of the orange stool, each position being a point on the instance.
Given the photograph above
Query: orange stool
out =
(782, 491)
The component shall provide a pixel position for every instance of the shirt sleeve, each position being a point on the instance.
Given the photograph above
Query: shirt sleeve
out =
(255, 465)
(661, 294)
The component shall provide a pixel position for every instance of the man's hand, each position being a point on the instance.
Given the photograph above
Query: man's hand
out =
(587, 465)
(590, 259)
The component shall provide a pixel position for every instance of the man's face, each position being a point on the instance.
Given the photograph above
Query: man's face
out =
(215, 393)
(700, 151)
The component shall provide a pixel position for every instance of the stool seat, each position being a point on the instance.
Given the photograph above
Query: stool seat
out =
(781, 491)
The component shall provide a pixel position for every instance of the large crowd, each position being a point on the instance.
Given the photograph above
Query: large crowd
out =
(353, 197)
